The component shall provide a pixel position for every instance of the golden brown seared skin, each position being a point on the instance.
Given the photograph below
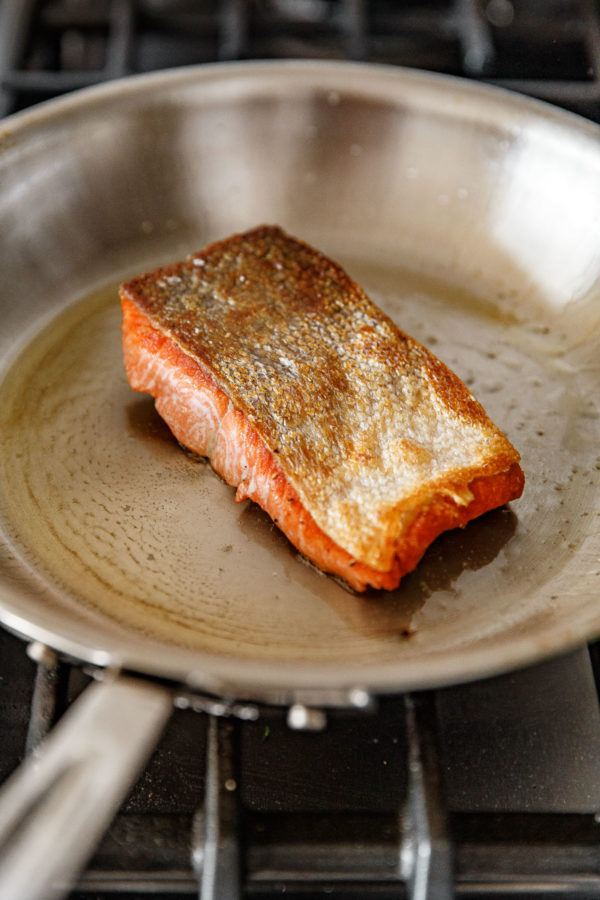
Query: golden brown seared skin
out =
(382, 444)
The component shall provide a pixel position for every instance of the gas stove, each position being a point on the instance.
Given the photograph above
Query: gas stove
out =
(546, 48)
(486, 789)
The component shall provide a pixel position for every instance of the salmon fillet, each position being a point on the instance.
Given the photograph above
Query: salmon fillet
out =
(265, 357)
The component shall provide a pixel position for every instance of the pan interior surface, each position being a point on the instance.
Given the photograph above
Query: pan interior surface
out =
(120, 547)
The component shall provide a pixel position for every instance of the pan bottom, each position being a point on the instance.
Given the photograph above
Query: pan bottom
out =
(125, 528)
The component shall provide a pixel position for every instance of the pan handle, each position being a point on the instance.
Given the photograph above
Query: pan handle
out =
(57, 805)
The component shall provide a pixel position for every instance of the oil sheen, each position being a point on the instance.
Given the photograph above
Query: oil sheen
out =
(116, 519)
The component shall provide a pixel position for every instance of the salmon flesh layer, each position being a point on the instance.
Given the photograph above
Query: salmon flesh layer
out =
(263, 356)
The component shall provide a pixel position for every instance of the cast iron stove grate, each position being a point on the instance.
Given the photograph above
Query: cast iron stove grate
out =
(484, 790)
(547, 48)
(491, 789)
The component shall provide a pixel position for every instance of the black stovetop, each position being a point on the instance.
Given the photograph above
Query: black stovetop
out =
(547, 48)
(508, 772)
(500, 778)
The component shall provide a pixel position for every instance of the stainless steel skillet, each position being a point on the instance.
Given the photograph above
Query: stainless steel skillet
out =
(471, 215)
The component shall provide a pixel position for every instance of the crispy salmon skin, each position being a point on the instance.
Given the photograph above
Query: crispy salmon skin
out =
(264, 356)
